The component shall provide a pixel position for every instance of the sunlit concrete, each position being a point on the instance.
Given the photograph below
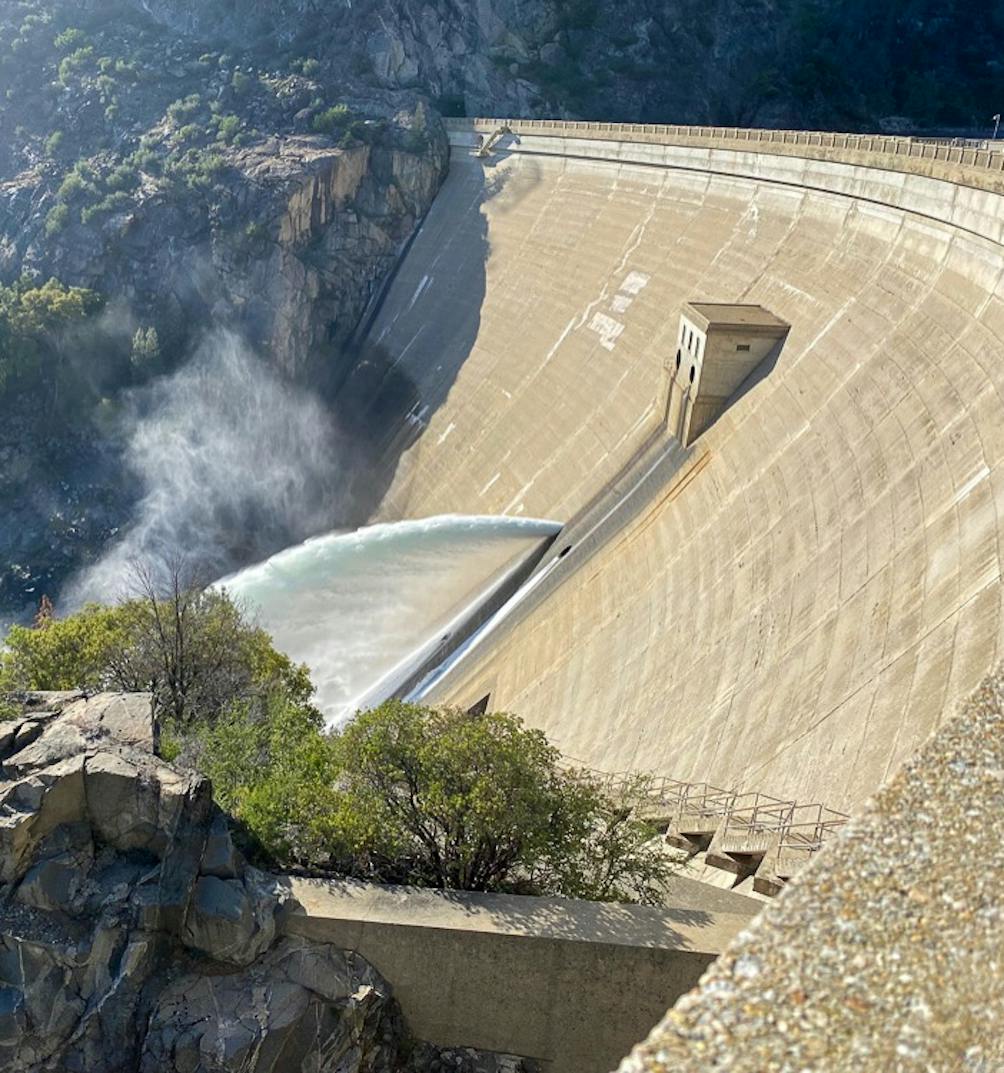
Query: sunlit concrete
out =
(827, 585)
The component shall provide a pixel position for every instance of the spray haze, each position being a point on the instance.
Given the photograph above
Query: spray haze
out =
(234, 463)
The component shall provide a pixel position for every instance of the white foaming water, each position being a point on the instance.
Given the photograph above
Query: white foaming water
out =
(365, 609)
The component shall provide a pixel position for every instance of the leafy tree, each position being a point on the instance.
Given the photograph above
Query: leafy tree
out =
(193, 648)
(406, 794)
(480, 802)
(84, 651)
(36, 323)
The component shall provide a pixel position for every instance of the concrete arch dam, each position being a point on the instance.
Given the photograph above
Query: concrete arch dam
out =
(816, 581)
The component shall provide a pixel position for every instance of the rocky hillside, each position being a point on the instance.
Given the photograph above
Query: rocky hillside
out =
(134, 937)
(190, 183)
(197, 185)
(847, 64)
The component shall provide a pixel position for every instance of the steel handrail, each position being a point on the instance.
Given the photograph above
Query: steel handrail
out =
(741, 813)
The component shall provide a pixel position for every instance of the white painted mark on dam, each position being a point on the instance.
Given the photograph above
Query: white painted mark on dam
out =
(490, 484)
(635, 283)
(446, 434)
(426, 280)
(632, 286)
(608, 329)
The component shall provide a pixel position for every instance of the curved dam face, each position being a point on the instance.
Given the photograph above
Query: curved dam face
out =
(818, 581)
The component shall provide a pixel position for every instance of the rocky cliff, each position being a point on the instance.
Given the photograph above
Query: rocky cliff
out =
(194, 188)
(133, 936)
(800, 63)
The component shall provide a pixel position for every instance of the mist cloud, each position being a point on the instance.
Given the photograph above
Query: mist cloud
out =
(233, 462)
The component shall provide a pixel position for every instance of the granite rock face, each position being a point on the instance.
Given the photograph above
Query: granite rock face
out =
(133, 936)
(301, 1008)
(303, 233)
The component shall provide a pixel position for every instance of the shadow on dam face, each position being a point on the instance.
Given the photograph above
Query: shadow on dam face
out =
(391, 380)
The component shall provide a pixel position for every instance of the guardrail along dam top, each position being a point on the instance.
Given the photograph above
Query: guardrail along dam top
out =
(820, 581)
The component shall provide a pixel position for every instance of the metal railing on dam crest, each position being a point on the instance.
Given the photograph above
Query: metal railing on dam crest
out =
(982, 167)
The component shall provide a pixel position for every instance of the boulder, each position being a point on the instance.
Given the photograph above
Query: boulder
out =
(300, 1001)
(230, 920)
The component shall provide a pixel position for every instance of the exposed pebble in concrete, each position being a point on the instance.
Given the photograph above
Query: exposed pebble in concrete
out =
(888, 954)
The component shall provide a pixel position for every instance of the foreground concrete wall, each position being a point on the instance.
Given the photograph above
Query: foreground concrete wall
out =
(571, 984)
(829, 583)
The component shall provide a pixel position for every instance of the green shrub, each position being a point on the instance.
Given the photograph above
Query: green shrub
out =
(241, 83)
(128, 70)
(73, 64)
(53, 142)
(57, 219)
(70, 39)
(124, 177)
(333, 119)
(184, 108)
(75, 183)
(144, 159)
(115, 202)
(75, 653)
(228, 127)
(275, 773)
(311, 67)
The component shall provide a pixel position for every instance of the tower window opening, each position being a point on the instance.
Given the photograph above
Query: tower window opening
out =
(679, 358)
(743, 348)
(693, 372)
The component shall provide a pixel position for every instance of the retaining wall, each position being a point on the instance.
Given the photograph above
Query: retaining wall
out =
(570, 984)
